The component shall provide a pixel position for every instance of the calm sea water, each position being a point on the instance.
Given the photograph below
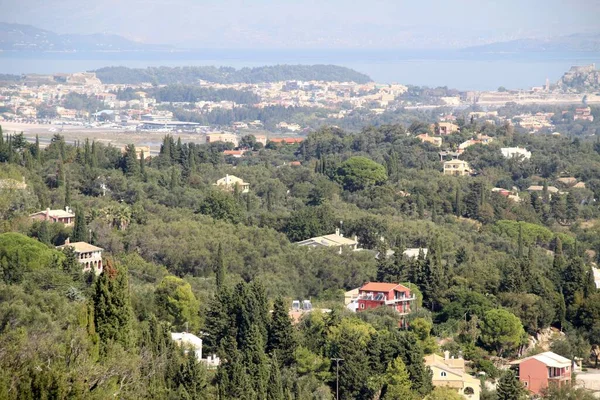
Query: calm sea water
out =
(455, 69)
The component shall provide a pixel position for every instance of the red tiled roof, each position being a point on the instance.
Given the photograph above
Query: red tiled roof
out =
(383, 287)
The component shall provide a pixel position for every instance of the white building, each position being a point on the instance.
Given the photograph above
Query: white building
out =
(193, 343)
(515, 152)
(334, 240)
(230, 182)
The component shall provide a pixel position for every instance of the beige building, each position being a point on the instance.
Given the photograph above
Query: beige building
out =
(89, 256)
(450, 372)
(230, 182)
(457, 168)
(65, 216)
(425, 138)
(222, 137)
(446, 128)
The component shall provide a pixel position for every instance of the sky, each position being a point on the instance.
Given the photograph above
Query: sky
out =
(310, 24)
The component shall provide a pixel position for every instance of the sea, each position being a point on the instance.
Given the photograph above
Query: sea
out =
(455, 69)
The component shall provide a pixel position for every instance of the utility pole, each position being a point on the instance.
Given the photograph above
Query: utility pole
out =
(337, 376)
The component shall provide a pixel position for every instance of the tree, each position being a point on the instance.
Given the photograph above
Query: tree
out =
(191, 378)
(177, 303)
(67, 193)
(220, 205)
(80, 230)
(129, 162)
(281, 340)
(357, 173)
(444, 393)
(509, 387)
(501, 330)
(275, 388)
(572, 211)
(220, 271)
(44, 234)
(397, 382)
(113, 317)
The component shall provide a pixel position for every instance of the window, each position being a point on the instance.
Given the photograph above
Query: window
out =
(526, 383)
(362, 305)
(443, 373)
(469, 391)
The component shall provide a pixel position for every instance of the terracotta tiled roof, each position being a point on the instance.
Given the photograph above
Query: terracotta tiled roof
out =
(383, 287)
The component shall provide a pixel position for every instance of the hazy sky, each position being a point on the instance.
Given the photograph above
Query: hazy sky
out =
(310, 23)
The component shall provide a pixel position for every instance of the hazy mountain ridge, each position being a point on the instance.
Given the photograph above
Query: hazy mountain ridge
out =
(18, 37)
(580, 42)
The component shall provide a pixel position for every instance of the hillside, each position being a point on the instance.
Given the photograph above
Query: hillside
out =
(189, 75)
(18, 37)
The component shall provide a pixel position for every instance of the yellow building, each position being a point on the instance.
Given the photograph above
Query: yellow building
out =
(230, 182)
(457, 168)
(450, 372)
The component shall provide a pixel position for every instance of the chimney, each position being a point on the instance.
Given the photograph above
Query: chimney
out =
(68, 241)
(337, 231)
(446, 355)
(47, 213)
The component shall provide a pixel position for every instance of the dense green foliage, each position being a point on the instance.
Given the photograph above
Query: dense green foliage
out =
(182, 254)
(191, 75)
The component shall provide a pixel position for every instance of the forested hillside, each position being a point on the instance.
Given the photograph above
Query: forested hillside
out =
(191, 75)
(182, 254)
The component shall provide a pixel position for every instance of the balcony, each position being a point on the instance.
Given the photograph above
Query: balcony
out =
(400, 300)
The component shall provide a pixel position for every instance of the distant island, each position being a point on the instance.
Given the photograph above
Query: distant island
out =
(580, 42)
(27, 38)
(191, 75)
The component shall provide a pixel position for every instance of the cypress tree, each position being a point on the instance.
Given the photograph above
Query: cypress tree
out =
(112, 308)
(174, 182)
(94, 155)
(397, 382)
(191, 378)
(509, 387)
(220, 268)
(520, 242)
(80, 233)
(67, 193)
(457, 208)
(143, 163)
(281, 341)
(275, 387)
(129, 163)
(256, 361)
(44, 235)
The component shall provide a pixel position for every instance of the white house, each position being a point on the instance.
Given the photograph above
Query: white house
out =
(334, 240)
(193, 343)
(230, 182)
(515, 152)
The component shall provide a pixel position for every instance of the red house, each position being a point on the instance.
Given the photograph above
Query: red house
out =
(377, 294)
(544, 369)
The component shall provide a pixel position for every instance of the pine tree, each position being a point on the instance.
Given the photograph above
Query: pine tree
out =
(44, 234)
(275, 387)
(129, 163)
(67, 193)
(220, 268)
(572, 211)
(281, 340)
(113, 316)
(142, 163)
(457, 207)
(80, 231)
(397, 382)
(174, 182)
(191, 378)
(509, 387)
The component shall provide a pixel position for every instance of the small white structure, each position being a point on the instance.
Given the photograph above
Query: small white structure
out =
(515, 152)
(334, 240)
(193, 343)
(230, 182)
(414, 253)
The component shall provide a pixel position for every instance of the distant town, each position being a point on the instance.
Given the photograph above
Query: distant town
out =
(47, 104)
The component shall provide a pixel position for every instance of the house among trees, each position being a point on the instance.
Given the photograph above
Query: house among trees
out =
(230, 182)
(515, 152)
(334, 240)
(541, 370)
(380, 294)
(193, 343)
(450, 372)
(457, 168)
(88, 255)
(446, 128)
(65, 216)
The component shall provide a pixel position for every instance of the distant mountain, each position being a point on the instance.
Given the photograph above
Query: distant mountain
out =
(17, 37)
(573, 43)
